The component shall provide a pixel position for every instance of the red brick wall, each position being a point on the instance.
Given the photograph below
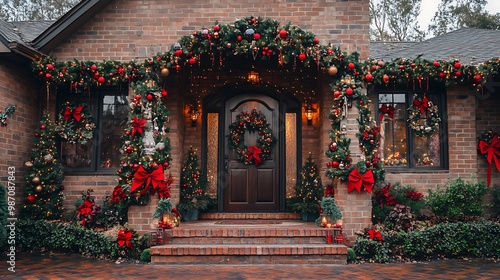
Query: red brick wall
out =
(17, 87)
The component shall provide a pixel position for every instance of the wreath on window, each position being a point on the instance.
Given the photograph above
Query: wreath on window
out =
(74, 123)
(251, 122)
(423, 108)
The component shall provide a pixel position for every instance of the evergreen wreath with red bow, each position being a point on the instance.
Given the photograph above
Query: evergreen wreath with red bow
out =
(423, 109)
(253, 122)
(75, 123)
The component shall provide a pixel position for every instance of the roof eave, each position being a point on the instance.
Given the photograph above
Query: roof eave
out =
(25, 51)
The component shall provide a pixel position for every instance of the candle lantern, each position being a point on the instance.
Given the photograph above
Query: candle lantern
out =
(167, 221)
(325, 219)
(329, 233)
(159, 236)
(153, 238)
(338, 235)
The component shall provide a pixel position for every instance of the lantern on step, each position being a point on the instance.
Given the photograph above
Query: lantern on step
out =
(153, 238)
(159, 236)
(329, 233)
(324, 219)
(167, 221)
(338, 235)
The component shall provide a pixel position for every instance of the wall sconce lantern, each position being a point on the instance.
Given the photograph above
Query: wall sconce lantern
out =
(309, 112)
(253, 77)
(193, 115)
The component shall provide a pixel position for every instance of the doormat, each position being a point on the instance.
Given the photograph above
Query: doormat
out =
(247, 222)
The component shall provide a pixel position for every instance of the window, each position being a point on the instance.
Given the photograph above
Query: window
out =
(109, 108)
(401, 148)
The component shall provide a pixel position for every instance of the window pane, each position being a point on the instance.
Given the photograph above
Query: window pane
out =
(76, 155)
(427, 150)
(113, 121)
(392, 117)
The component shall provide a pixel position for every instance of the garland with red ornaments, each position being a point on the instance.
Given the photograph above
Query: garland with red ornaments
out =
(75, 123)
(251, 122)
(489, 146)
(423, 109)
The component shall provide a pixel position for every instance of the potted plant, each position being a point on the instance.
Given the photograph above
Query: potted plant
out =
(330, 208)
(308, 191)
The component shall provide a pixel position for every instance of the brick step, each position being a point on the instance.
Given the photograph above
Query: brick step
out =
(249, 254)
(249, 240)
(250, 216)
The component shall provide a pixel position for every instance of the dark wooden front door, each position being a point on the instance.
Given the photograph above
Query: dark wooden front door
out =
(248, 188)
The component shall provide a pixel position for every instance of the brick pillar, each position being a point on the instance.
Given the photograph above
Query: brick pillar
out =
(140, 218)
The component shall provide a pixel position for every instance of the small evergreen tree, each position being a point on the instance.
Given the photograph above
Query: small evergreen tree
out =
(193, 185)
(44, 177)
(309, 189)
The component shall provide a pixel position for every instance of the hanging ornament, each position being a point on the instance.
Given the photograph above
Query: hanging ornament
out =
(249, 34)
(28, 164)
(30, 199)
(38, 188)
(36, 180)
(48, 158)
(283, 33)
(165, 72)
(332, 71)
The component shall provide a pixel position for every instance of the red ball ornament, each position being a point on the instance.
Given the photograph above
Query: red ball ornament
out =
(50, 67)
(93, 67)
(302, 56)
(329, 164)
(164, 92)
(329, 52)
(154, 165)
(101, 80)
(372, 142)
(127, 133)
(192, 61)
(166, 164)
(178, 53)
(195, 175)
(351, 66)
(30, 198)
(37, 134)
(335, 164)
(48, 76)
(149, 97)
(385, 78)
(136, 166)
(316, 41)
(442, 75)
(333, 146)
(42, 127)
(336, 94)
(401, 67)
(349, 91)
(216, 28)
(381, 63)
(283, 33)
(368, 163)
(457, 65)
(436, 64)
(413, 65)
(237, 140)
(239, 38)
(256, 36)
(178, 67)
(478, 78)
(368, 78)
(138, 96)
(129, 149)
(458, 73)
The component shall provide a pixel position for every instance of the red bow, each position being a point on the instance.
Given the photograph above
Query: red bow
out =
(492, 151)
(75, 113)
(155, 178)
(423, 105)
(386, 109)
(137, 125)
(375, 234)
(254, 153)
(125, 238)
(357, 180)
(329, 191)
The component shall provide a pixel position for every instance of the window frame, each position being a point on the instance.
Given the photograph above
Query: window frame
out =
(435, 92)
(95, 99)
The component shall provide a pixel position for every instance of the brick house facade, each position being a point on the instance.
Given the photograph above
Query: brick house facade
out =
(134, 30)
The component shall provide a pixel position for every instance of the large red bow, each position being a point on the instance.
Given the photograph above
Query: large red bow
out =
(155, 178)
(75, 113)
(125, 239)
(386, 109)
(254, 153)
(375, 234)
(492, 151)
(422, 105)
(137, 125)
(357, 180)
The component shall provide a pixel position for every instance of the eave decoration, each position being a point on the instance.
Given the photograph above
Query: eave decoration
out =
(260, 39)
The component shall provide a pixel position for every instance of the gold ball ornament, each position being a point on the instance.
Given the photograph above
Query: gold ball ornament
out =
(38, 188)
(28, 164)
(48, 158)
(36, 180)
(332, 71)
(165, 72)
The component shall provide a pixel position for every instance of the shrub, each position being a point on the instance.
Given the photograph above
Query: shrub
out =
(146, 255)
(385, 198)
(351, 255)
(495, 193)
(459, 199)
(371, 250)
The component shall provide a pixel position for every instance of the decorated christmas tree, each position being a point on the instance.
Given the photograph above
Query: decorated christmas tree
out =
(193, 186)
(44, 189)
(309, 189)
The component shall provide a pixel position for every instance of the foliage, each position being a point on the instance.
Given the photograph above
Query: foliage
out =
(495, 193)
(39, 235)
(446, 240)
(395, 20)
(75, 123)
(329, 206)
(401, 218)
(458, 199)
(4, 213)
(44, 176)
(26, 10)
(386, 197)
(308, 189)
(455, 14)
(164, 207)
(9, 110)
(88, 211)
(146, 255)
(351, 255)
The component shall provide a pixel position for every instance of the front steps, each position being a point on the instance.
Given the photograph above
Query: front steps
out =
(248, 238)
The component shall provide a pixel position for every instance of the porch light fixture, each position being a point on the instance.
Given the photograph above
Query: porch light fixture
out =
(253, 77)
(193, 115)
(309, 112)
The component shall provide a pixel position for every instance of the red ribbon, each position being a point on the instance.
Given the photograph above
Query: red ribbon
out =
(75, 113)
(492, 151)
(357, 180)
(125, 239)
(375, 234)
(386, 109)
(137, 125)
(423, 105)
(254, 153)
(155, 178)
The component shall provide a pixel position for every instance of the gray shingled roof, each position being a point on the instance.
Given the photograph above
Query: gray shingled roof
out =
(468, 45)
(22, 31)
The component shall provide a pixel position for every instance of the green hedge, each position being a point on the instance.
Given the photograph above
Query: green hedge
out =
(42, 235)
(475, 239)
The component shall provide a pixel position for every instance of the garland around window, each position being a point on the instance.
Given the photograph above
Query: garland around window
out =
(75, 124)
(253, 122)
(423, 108)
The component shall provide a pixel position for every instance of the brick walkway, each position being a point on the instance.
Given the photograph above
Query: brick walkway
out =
(36, 266)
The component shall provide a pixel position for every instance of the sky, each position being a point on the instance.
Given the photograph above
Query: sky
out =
(429, 7)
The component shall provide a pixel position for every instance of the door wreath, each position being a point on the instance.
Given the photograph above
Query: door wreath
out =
(74, 123)
(251, 122)
(423, 107)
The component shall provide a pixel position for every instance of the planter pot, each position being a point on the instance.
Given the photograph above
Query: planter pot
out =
(309, 217)
(191, 215)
